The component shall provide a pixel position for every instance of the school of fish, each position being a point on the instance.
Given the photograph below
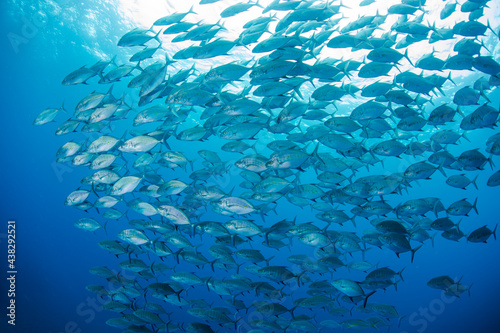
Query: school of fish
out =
(282, 145)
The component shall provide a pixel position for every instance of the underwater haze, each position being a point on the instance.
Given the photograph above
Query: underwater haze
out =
(269, 166)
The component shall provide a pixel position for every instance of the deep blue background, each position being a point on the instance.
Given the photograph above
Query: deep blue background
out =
(53, 257)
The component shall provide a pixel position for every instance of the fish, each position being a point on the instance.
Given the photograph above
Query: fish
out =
(173, 18)
(124, 185)
(133, 236)
(441, 282)
(102, 144)
(138, 37)
(142, 143)
(351, 289)
(88, 224)
(240, 149)
(482, 234)
(47, 115)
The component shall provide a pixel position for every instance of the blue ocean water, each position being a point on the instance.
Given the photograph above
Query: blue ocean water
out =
(46, 40)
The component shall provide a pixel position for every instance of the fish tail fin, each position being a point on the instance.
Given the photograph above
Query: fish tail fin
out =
(176, 254)
(490, 161)
(468, 289)
(421, 8)
(450, 79)
(93, 190)
(435, 208)
(474, 206)
(363, 251)
(178, 293)
(151, 268)
(153, 243)
(268, 260)
(482, 44)
(282, 293)
(112, 61)
(366, 298)
(266, 236)
(164, 140)
(350, 311)
(400, 319)
(220, 25)
(314, 52)
(464, 136)
(342, 5)
(441, 91)
(494, 232)
(238, 268)
(236, 321)
(474, 182)
(62, 108)
(253, 146)
(432, 26)
(326, 227)
(297, 91)
(407, 57)
(110, 91)
(258, 4)
(157, 37)
(292, 310)
(164, 327)
(299, 277)
(315, 153)
(482, 93)
(371, 150)
(138, 67)
(191, 11)
(413, 252)
(397, 209)
(458, 225)
(169, 61)
(400, 273)
(440, 168)
(489, 27)
(104, 227)
(206, 282)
